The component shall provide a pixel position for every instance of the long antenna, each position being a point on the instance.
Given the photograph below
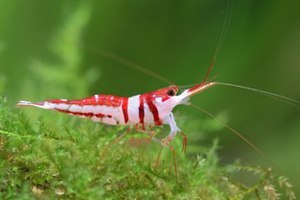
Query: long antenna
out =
(247, 141)
(129, 64)
(255, 148)
(224, 30)
(287, 100)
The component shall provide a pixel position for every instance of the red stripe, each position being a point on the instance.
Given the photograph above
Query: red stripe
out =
(141, 110)
(99, 115)
(125, 109)
(102, 100)
(154, 110)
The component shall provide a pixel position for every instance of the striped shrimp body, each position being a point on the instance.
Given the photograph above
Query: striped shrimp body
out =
(144, 110)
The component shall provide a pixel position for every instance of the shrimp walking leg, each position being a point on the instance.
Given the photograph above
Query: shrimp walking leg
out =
(174, 129)
(184, 142)
(174, 157)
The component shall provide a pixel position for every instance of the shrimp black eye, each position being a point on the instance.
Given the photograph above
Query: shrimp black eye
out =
(171, 92)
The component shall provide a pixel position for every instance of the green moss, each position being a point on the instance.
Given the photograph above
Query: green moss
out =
(66, 162)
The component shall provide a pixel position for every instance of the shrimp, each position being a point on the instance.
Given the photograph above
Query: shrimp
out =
(143, 110)
(147, 110)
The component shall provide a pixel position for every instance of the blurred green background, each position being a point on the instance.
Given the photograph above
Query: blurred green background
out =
(51, 49)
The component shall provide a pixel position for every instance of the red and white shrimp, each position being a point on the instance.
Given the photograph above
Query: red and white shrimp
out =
(143, 110)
